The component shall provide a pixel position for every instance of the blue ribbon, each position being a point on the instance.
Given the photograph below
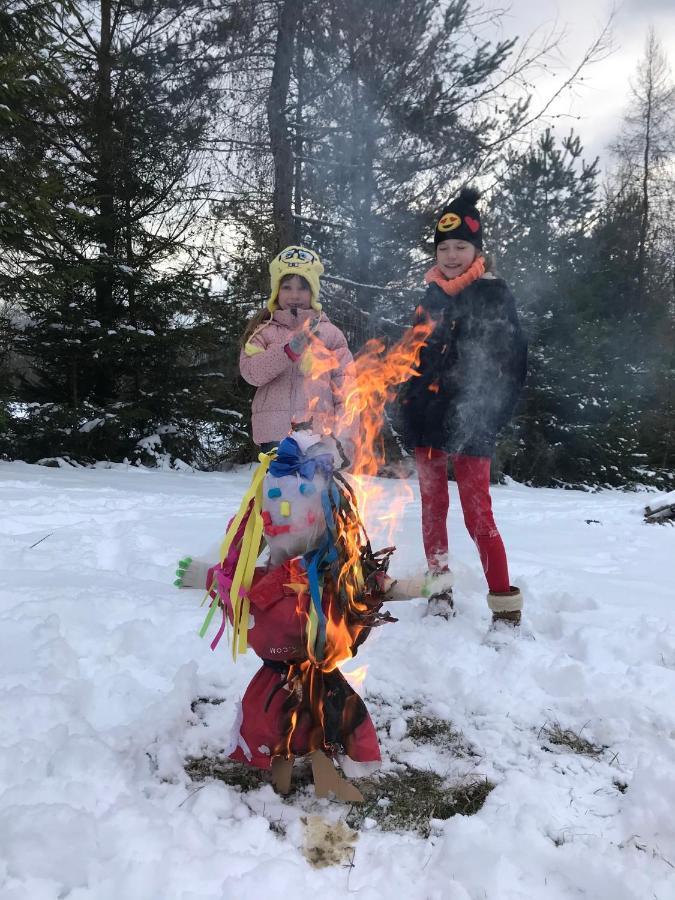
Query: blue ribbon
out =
(291, 460)
(315, 563)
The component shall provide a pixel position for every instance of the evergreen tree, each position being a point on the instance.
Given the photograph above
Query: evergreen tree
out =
(595, 352)
(398, 107)
(539, 218)
(539, 225)
(115, 313)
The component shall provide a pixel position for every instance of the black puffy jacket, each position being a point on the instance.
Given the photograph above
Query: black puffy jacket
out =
(471, 370)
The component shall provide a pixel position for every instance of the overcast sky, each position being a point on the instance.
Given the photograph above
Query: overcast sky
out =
(601, 99)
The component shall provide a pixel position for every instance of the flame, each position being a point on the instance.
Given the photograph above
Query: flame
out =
(356, 677)
(376, 374)
(368, 387)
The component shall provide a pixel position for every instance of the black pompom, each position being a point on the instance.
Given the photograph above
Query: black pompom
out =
(470, 195)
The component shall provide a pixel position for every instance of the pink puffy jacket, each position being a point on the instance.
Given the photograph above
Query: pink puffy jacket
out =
(285, 393)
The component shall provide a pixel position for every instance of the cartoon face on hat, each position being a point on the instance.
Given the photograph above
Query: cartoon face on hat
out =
(298, 256)
(295, 260)
(293, 499)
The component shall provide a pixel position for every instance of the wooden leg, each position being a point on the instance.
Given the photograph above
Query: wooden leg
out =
(282, 770)
(327, 779)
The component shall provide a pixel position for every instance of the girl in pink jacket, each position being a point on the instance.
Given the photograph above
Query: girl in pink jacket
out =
(296, 358)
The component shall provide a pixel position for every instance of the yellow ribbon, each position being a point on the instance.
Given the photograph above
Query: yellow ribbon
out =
(248, 554)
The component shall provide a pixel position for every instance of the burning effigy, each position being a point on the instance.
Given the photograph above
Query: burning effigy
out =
(313, 603)
(304, 613)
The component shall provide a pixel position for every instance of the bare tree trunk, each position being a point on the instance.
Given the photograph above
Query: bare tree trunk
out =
(131, 283)
(644, 216)
(300, 76)
(104, 191)
(363, 184)
(277, 117)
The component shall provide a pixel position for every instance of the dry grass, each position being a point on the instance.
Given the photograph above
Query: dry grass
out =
(246, 778)
(410, 799)
(398, 801)
(424, 729)
(566, 737)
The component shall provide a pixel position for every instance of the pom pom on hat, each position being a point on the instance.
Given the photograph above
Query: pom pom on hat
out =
(295, 260)
(460, 220)
(469, 195)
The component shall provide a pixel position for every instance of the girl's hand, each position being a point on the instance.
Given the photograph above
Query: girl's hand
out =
(298, 343)
(302, 337)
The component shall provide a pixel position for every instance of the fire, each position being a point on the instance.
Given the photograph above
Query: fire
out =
(356, 677)
(376, 374)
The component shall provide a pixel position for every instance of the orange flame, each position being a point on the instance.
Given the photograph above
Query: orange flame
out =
(378, 372)
(368, 387)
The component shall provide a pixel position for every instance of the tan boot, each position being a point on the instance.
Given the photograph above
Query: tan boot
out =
(506, 607)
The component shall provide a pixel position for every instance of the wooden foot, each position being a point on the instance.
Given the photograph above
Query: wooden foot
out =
(327, 780)
(282, 770)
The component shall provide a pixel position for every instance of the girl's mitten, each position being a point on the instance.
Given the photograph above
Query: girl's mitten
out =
(298, 343)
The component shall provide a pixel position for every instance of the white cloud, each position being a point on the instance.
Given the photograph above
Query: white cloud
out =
(596, 105)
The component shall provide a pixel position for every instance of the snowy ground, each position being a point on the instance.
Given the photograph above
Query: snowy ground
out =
(100, 663)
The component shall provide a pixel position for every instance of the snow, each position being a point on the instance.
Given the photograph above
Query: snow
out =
(91, 425)
(100, 662)
(662, 500)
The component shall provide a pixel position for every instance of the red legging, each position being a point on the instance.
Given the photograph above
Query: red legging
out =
(473, 481)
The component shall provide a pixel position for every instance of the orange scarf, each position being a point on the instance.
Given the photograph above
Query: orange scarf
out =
(452, 286)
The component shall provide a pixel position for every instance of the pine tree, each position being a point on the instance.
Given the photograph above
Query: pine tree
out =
(539, 216)
(539, 228)
(398, 109)
(598, 404)
(116, 315)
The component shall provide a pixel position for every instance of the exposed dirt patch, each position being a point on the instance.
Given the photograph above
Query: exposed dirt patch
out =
(246, 778)
(424, 729)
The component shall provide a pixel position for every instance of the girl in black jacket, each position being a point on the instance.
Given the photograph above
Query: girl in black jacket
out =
(470, 376)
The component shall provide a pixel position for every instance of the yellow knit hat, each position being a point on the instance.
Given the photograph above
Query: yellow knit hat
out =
(296, 261)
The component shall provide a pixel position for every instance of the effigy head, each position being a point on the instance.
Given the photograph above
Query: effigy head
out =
(294, 496)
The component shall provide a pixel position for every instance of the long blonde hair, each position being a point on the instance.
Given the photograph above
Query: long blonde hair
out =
(254, 323)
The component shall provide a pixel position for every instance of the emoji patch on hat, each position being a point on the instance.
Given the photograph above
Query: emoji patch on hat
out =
(449, 222)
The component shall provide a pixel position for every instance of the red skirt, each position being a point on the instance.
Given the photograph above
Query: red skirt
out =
(264, 724)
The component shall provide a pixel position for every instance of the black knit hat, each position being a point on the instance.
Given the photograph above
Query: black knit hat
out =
(460, 220)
